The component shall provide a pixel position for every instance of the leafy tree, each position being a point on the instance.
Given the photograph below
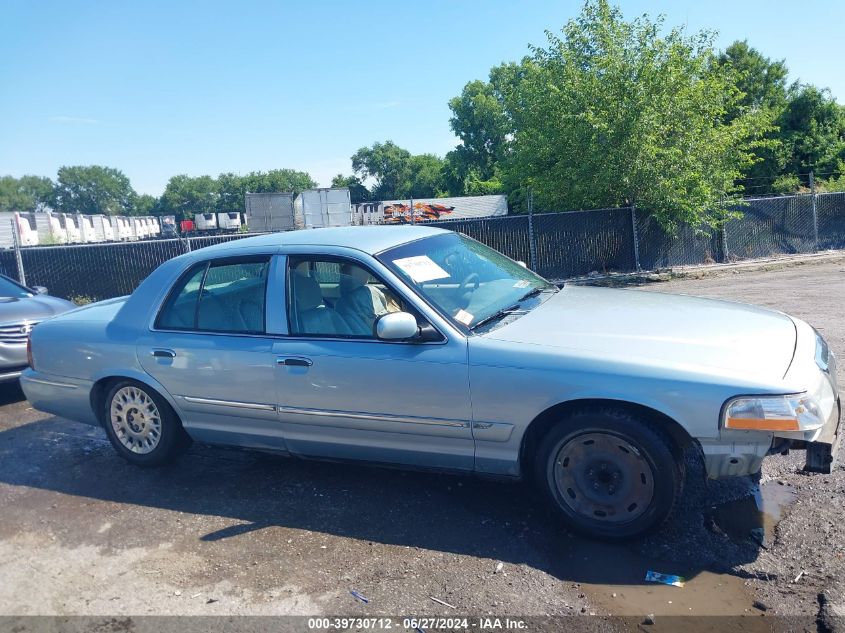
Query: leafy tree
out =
(230, 193)
(424, 177)
(358, 192)
(93, 189)
(185, 196)
(481, 123)
(145, 204)
(387, 165)
(761, 80)
(398, 174)
(762, 84)
(812, 130)
(26, 194)
(278, 180)
(612, 112)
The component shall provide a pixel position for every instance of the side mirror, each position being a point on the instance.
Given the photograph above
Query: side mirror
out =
(40, 290)
(396, 326)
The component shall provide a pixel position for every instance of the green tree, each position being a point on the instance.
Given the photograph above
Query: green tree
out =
(145, 204)
(26, 194)
(761, 80)
(812, 130)
(425, 177)
(278, 180)
(762, 84)
(614, 112)
(387, 165)
(358, 192)
(481, 123)
(398, 174)
(185, 196)
(230, 193)
(93, 189)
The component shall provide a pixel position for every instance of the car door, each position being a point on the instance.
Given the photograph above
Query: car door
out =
(342, 393)
(210, 350)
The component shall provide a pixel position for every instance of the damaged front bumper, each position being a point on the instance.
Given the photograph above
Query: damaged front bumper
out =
(821, 452)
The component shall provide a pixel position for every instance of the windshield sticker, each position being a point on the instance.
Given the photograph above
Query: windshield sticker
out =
(421, 268)
(522, 283)
(464, 317)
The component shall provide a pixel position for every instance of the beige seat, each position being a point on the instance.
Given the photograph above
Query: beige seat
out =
(310, 314)
(360, 304)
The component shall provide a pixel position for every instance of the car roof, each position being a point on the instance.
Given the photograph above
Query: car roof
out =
(369, 239)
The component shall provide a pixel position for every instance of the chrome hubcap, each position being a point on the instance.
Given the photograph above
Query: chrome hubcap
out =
(135, 420)
(603, 477)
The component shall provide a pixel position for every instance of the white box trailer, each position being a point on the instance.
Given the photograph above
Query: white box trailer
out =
(269, 212)
(86, 228)
(22, 225)
(102, 227)
(366, 213)
(50, 228)
(206, 221)
(229, 221)
(323, 207)
(74, 235)
(155, 228)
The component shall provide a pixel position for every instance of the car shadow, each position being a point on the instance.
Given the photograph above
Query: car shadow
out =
(462, 515)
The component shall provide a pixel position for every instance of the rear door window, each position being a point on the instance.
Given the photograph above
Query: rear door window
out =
(219, 296)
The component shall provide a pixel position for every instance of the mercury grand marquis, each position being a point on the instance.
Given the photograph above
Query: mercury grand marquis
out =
(419, 347)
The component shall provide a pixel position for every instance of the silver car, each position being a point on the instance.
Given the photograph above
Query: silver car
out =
(20, 309)
(420, 347)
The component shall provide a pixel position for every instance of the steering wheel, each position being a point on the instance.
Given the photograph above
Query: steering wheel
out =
(468, 286)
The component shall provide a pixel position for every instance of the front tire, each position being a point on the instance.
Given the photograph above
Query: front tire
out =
(609, 474)
(141, 425)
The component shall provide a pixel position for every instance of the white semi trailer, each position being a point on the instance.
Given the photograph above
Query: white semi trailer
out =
(323, 207)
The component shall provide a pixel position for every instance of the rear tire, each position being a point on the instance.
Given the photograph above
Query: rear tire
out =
(141, 425)
(609, 474)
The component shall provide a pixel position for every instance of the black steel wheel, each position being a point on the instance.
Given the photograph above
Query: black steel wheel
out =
(610, 474)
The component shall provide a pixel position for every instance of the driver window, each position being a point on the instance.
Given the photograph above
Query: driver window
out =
(330, 297)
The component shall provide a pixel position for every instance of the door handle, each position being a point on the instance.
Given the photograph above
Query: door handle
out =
(163, 353)
(294, 361)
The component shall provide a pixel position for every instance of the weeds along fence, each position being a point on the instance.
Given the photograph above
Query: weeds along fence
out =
(557, 245)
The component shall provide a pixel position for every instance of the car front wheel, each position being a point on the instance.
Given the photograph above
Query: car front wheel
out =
(141, 425)
(610, 474)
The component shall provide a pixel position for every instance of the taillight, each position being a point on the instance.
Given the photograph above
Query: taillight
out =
(29, 359)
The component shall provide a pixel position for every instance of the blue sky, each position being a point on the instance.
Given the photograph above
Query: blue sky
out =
(157, 88)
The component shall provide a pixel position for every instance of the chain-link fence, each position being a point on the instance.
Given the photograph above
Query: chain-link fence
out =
(557, 245)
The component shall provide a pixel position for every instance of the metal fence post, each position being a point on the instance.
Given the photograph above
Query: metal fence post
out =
(636, 236)
(411, 209)
(723, 230)
(532, 245)
(815, 213)
(18, 258)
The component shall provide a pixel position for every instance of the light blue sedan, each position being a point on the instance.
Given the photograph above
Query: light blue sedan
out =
(420, 347)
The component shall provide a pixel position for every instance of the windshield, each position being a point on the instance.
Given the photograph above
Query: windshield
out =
(9, 288)
(463, 279)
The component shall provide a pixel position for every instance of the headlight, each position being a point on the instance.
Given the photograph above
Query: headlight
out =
(774, 413)
(822, 353)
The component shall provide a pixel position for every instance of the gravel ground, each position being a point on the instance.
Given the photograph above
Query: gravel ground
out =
(227, 532)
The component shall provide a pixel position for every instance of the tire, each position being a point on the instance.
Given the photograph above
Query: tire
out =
(610, 474)
(141, 425)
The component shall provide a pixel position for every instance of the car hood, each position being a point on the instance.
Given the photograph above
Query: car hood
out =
(677, 329)
(36, 308)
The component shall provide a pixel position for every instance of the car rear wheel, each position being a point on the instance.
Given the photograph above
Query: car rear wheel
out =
(141, 425)
(610, 474)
